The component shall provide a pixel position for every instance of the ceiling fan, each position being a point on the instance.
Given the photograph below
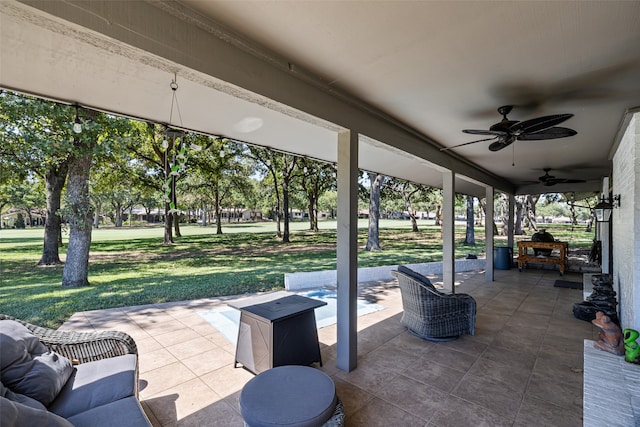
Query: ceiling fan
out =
(506, 132)
(549, 180)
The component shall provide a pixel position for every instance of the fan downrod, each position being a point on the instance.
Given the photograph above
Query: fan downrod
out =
(504, 110)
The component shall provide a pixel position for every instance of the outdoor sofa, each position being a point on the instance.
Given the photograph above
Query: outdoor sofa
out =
(431, 314)
(61, 379)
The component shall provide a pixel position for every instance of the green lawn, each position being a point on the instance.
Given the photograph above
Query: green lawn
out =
(130, 266)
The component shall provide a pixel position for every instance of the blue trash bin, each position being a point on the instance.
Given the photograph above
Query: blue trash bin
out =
(502, 257)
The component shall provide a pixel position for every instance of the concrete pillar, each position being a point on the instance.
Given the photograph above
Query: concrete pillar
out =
(347, 251)
(604, 229)
(448, 231)
(488, 232)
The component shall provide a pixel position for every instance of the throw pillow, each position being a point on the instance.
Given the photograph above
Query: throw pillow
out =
(15, 414)
(416, 276)
(20, 398)
(26, 365)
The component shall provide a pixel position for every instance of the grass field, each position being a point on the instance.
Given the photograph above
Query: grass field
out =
(130, 266)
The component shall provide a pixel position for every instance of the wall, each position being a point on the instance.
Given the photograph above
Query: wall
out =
(626, 225)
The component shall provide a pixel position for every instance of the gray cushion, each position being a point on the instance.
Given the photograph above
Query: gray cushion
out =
(27, 366)
(97, 383)
(292, 396)
(124, 412)
(416, 276)
(20, 398)
(15, 414)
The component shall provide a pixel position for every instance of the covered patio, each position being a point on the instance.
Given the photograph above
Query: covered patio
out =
(375, 86)
(523, 367)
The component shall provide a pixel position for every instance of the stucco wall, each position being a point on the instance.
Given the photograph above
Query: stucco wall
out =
(626, 225)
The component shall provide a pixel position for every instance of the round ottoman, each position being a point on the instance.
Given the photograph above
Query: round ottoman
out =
(293, 396)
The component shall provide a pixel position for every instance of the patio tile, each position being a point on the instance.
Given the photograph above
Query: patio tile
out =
(227, 380)
(466, 344)
(187, 349)
(164, 378)
(435, 375)
(412, 396)
(219, 414)
(457, 412)
(184, 400)
(147, 345)
(155, 359)
(208, 361)
(353, 397)
(508, 374)
(498, 397)
(176, 337)
(368, 376)
(556, 391)
(522, 367)
(451, 358)
(378, 413)
(536, 412)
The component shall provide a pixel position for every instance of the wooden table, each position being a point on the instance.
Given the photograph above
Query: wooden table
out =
(525, 257)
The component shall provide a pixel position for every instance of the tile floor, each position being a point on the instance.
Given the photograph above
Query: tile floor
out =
(523, 367)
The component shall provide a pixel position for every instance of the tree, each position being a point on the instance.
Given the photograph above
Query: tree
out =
(37, 137)
(470, 238)
(408, 191)
(157, 166)
(267, 159)
(373, 240)
(98, 133)
(316, 178)
(222, 175)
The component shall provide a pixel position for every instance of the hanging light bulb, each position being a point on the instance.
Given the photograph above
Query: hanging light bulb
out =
(165, 143)
(77, 125)
(222, 154)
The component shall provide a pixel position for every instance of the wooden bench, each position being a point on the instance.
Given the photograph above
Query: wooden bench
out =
(525, 256)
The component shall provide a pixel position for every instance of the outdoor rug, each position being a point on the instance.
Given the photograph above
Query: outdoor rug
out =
(226, 319)
(567, 284)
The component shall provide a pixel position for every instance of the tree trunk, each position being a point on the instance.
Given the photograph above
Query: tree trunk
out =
(520, 208)
(438, 214)
(285, 208)
(168, 226)
(96, 216)
(176, 223)
(54, 182)
(216, 195)
(407, 203)
(76, 267)
(373, 238)
(470, 237)
(118, 207)
(203, 217)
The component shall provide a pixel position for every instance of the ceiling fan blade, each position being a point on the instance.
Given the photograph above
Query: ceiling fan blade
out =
(551, 133)
(484, 132)
(554, 181)
(467, 143)
(539, 124)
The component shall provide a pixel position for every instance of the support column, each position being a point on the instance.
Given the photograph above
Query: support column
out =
(448, 231)
(604, 229)
(347, 251)
(488, 233)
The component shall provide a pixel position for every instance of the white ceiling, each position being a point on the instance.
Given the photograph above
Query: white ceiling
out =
(428, 68)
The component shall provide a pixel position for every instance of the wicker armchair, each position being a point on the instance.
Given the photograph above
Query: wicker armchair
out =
(82, 347)
(431, 314)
